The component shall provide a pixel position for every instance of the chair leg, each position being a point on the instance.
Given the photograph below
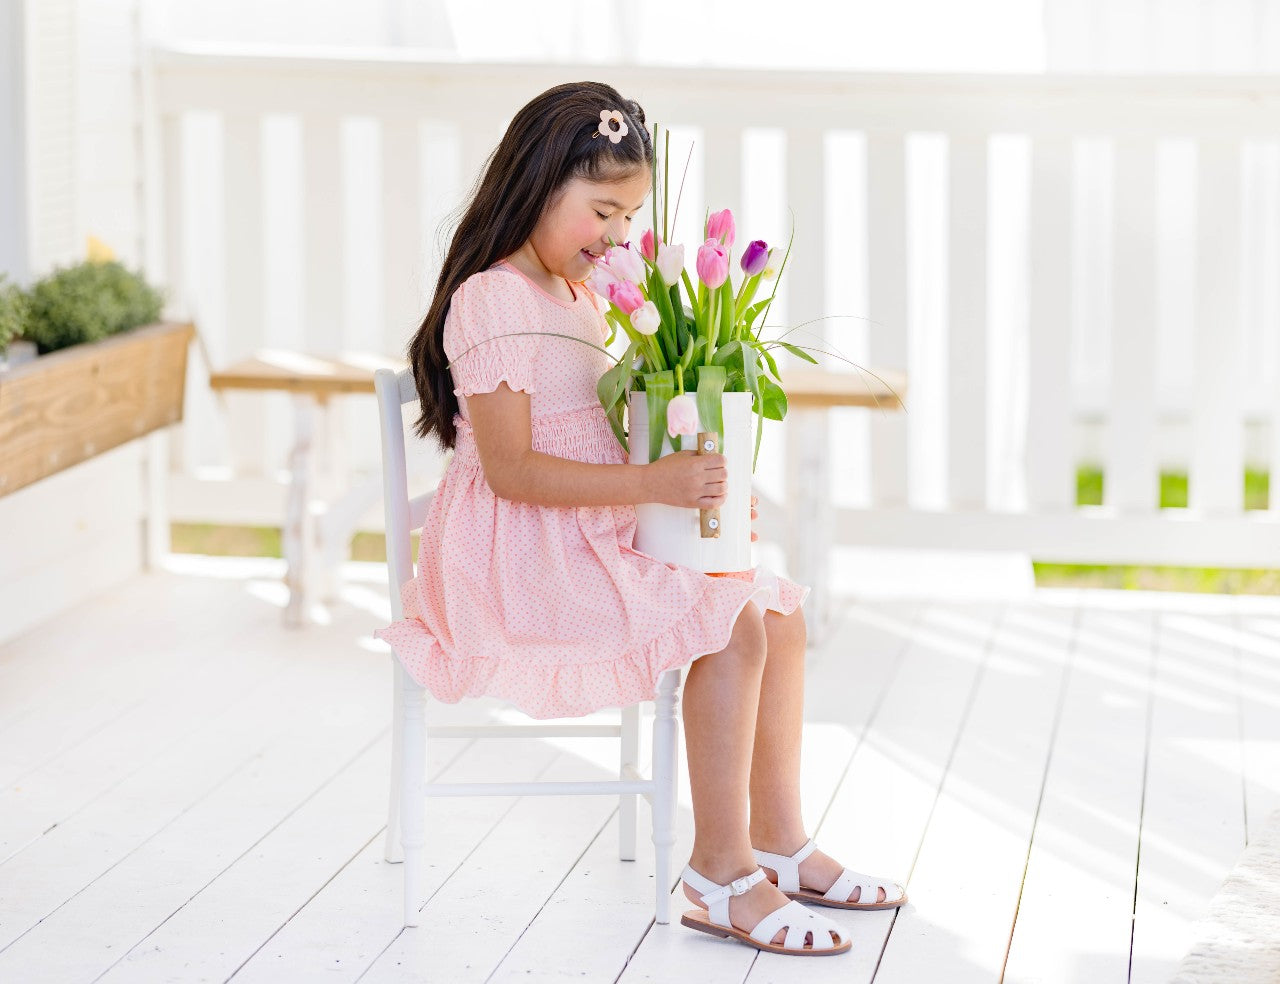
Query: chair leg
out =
(392, 850)
(413, 777)
(628, 767)
(665, 745)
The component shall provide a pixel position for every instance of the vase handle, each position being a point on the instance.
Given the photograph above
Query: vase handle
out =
(709, 519)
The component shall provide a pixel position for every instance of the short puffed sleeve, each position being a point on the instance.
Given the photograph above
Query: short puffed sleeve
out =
(486, 308)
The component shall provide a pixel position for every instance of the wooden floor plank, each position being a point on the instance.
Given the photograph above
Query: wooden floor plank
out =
(141, 731)
(354, 916)
(964, 887)
(1074, 918)
(1193, 824)
(247, 833)
(62, 686)
(880, 812)
(157, 860)
(1256, 637)
(489, 900)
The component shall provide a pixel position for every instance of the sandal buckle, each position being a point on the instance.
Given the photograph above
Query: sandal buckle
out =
(741, 886)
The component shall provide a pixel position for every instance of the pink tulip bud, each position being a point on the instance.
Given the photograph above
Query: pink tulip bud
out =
(713, 263)
(625, 295)
(682, 415)
(647, 246)
(720, 227)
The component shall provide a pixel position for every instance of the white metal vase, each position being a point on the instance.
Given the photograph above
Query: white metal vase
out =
(673, 534)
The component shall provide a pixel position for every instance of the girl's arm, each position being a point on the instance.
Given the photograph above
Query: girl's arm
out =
(504, 439)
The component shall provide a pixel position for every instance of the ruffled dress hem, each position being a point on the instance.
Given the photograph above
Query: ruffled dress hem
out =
(573, 689)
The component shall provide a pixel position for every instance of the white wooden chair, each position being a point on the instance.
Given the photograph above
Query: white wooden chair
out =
(406, 823)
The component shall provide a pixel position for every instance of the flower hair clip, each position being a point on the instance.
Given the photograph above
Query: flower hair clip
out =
(605, 129)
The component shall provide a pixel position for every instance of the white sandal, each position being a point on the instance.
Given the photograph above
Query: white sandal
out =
(828, 938)
(788, 870)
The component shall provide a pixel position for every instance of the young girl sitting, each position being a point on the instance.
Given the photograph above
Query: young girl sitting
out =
(528, 587)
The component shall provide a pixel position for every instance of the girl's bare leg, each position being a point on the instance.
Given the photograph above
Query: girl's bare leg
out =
(719, 709)
(776, 823)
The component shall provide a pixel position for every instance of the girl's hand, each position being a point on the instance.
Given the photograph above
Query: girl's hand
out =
(754, 516)
(688, 479)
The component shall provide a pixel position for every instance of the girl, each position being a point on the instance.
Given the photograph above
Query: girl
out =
(528, 587)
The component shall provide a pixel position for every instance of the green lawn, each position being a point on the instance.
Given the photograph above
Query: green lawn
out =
(264, 541)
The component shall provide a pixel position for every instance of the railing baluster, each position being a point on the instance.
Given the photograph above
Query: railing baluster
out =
(967, 437)
(242, 246)
(1215, 480)
(887, 304)
(1050, 468)
(322, 234)
(1132, 479)
(402, 252)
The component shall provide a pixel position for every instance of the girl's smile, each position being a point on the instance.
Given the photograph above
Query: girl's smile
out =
(597, 213)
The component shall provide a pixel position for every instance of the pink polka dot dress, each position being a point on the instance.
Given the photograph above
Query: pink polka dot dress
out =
(550, 608)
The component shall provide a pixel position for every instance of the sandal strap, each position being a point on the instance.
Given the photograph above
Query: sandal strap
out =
(798, 921)
(788, 868)
(716, 896)
(849, 880)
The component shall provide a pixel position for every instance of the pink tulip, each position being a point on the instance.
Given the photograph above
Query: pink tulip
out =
(682, 415)
(600, 279)
(648, 246)
(625, 263)
(720, 227)
(713, 263)
(625, 295)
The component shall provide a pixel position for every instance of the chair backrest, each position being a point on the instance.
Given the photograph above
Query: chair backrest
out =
(403, 515)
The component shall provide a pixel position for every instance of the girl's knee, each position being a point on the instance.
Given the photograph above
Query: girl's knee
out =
(749, 641)
(786, 631)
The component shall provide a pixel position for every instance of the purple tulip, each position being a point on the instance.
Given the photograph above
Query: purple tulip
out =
(755, 257)
(720, 227)
(713, 263)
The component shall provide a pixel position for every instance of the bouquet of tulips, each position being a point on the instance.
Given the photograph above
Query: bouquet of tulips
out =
(689, 344)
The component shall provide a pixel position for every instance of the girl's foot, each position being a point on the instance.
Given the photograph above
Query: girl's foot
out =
(752, 910)
(819, 872)
(745, 911)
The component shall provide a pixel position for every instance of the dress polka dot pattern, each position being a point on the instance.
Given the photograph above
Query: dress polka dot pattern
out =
(550, 608)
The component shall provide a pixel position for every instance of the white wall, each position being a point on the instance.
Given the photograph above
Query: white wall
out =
(71, 151)
(13, 189)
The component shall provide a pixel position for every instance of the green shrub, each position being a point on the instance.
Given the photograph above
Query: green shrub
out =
(13, 312)
(86, 302)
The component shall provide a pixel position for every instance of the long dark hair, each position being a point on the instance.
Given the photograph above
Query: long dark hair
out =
(547, 143)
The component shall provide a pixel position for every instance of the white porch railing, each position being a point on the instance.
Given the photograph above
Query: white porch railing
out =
(1070, 269)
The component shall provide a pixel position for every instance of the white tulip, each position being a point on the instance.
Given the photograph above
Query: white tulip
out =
(670, 262)
(682, 415)
(646, 319)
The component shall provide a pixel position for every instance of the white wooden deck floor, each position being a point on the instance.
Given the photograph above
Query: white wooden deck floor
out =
(192, 792)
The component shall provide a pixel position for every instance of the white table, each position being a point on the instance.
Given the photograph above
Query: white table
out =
(313, 546)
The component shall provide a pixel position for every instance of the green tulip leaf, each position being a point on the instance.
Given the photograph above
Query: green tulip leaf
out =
(659, 388)
(711, 380)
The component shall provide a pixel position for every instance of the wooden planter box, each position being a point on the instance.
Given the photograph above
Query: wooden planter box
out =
(61, 408)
